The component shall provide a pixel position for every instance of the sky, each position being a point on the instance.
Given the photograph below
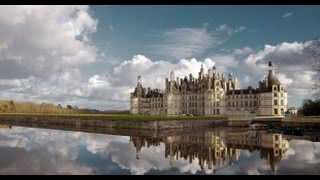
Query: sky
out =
(90, 56)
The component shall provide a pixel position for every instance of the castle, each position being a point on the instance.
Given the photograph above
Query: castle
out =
(211, 94)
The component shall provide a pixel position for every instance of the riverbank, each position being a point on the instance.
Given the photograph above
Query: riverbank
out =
(115, 121)
(126, 117)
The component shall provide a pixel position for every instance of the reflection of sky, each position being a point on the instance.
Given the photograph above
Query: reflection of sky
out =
(42, 151)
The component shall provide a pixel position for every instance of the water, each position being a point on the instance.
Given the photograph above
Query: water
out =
(26, 150)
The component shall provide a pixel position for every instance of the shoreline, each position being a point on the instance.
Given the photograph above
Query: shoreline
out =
(115, 123)
(155, 123)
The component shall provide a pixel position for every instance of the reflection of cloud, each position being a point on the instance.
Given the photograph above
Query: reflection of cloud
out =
(41, 151)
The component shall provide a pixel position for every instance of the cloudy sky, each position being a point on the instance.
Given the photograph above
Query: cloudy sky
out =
(90, 56)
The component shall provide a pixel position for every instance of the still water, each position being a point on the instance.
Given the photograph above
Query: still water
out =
(25, 150)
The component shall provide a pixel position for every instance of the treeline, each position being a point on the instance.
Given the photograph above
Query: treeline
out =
(31, 107)
(310, 107)
(10, 106)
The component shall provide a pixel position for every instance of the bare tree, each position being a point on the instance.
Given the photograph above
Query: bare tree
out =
(314, 53)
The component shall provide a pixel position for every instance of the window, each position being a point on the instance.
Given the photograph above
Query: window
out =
(274, 88)
(246, 103)
(232, 104)
(281, 88)
(276, 137)
(282, 111)
(281, 102)
(275, 102)
(218, 103)
(275, 94)
(275, 111)
(255, 103)
(229, 104)
(241, 103)
(250, 103)
(218, 111)
(236, 103)
(281, 94)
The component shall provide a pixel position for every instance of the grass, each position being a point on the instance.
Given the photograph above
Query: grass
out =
(304, 118)
(116, 117)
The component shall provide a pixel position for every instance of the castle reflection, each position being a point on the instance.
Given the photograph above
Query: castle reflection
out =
(214, 149)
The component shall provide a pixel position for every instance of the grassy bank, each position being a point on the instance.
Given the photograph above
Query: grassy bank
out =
(303, 119)
(116, 117)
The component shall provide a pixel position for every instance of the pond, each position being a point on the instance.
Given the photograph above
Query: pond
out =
(26, 150)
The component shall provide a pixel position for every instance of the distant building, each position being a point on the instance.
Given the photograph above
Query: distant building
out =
(293, 111)
(211, 94)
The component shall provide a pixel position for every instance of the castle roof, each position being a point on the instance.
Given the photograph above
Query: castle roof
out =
(273, 80)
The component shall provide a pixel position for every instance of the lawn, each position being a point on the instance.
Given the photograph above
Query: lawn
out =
(116, 117)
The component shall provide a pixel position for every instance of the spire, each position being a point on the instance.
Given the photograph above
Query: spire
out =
(139, 80)
(271, 68)
(214, 69)
(172, 77)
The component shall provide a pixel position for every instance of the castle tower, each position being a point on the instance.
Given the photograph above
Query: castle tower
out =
(201, 73)
(172, 76)
(214, 70)
(271, 68)
(139, 81)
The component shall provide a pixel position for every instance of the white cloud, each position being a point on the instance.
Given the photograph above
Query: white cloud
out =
(189, 42)
(229, 30)
(184, 42)
(286, 15)
(111, 28)
(242, 52)
(42, 49)
(293, 66)
(115, 86)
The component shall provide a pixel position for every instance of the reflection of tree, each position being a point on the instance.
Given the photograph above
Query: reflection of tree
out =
(213, 149)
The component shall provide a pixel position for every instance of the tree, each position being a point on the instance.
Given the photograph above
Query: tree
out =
(313, 51)
(311, 108)
(69, 107)
(12, 108)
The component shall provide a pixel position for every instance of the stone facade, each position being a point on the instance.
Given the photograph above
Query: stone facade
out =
(211, 94)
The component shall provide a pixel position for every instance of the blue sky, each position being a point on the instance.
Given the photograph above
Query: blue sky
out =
(90, 56)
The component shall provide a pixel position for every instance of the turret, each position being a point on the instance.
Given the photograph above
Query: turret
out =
(201, 73)
(172, 76)
(271, 68)
(214, 70)
(139, 81)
